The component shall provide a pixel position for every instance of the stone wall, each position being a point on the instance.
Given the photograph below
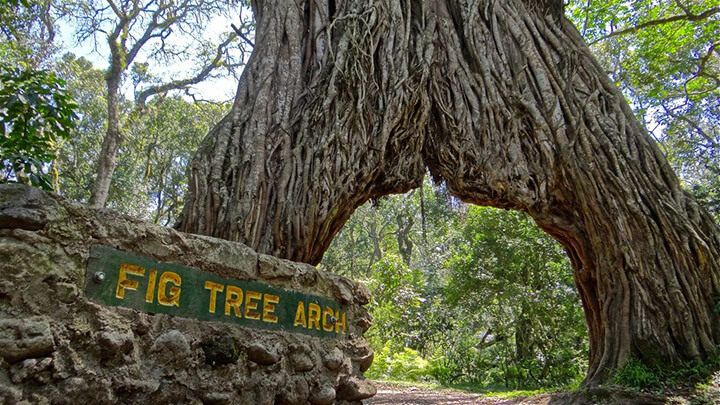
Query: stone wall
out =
(58, 347)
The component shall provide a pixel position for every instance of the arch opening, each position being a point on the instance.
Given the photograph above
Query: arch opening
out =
(463, 294)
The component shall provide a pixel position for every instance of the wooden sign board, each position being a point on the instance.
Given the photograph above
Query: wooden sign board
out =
(122, 279)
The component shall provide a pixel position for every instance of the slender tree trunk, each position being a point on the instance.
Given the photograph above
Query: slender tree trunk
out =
(402, 235)
(113, 135)
(347, 100)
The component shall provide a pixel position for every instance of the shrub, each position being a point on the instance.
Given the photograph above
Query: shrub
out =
(404, 365)
(637, 375)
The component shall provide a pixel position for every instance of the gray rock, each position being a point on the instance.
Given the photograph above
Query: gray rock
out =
(295, 393)
(20, 371)
(306, 275)
(37, 399)
(9, 395)
(323, 396)
(264, 395)
(66, 292)
(62, 363)
(142, 325)
(216, 398)
(364, 322)
(72, 386)
(147, 385)
(333, 360)
(31, 369)
(115, 343)
(341, 290)
(301, 361)
(273, 268)
(262, 355)
(366, 361)
(355, 389)
(362, 294)
(239, 258)
(22, 339)
(26, 207)
(77, 390)
(171, 347)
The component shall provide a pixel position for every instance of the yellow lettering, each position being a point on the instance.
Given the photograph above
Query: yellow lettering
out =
(250, 305)
(327, 323)
(150, 292)
(300, 315)
(173, 298)
(214, 288)
(341, 321)
(125, 283)
(314, 315)
(233, 299)
(269, 308)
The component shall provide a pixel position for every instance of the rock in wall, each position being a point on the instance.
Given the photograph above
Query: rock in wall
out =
(59, 347)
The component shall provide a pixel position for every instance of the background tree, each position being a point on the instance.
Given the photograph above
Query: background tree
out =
(346, 101)
(515, 303)
(151, 166)
(27, 33)
(165, 32)
(487, 299)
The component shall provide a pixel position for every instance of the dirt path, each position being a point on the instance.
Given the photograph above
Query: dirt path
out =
(396, 394)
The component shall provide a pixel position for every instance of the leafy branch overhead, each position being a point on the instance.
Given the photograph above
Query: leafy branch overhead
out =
(665, 56)
(36, 114)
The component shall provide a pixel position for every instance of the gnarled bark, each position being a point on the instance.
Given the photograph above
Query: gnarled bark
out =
(347, 100)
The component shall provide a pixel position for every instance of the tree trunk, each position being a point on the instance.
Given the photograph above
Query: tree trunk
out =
(113, 136)
(343, 101)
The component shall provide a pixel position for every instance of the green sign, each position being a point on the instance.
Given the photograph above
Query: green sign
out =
(123, 279)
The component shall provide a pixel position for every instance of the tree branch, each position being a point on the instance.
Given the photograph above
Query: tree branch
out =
(661, 21)
(241, 35)
(181, 84)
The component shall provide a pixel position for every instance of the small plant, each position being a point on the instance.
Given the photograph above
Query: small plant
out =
(637, 375)
(405, 365)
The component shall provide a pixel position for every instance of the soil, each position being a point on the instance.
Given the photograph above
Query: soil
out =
(400, 394)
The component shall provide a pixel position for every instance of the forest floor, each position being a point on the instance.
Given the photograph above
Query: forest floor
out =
(392, 393)
(395, 393)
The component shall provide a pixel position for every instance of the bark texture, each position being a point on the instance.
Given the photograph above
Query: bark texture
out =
(343, 101)
(107, 159)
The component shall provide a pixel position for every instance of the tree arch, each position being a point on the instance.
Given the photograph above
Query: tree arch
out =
(345, 100)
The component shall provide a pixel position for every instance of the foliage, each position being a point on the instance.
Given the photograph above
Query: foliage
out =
(154, 162)
(36, 113)
(415, 226)
(484, 298)
(665, 56)
(26, 33)
(699, 377)
(637, 375)
(403, 365)
(77, 161)
(155, 40)
(164, 45)
(151, 164)
(512, 286)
